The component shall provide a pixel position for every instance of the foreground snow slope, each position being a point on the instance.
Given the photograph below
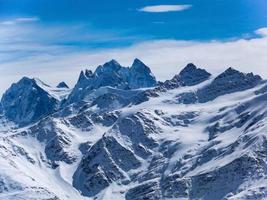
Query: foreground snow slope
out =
(167, 142)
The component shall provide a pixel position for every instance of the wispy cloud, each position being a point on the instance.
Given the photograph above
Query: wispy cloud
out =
(261, 31)
(21, 40)
(165, 57)
(19, 20)
(164, 8)
(51, 55)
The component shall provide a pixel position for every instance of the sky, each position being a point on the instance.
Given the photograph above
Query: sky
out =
(55, 40)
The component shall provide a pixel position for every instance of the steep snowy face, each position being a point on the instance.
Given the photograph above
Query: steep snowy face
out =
(141, 76)
(189, 76)
(112, 74)
(26, 101)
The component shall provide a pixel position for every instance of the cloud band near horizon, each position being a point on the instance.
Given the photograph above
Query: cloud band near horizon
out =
(164, 57)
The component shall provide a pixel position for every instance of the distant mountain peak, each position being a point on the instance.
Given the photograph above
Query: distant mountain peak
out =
(62, 85)
(138, 65)
(190, 75)
(188, 67)
(112, 74)
(112, 62)
(26, 79)
(138, 62)
(231, 72)
(27, 101)
(108, 67)
(229, 81)
(141, 75)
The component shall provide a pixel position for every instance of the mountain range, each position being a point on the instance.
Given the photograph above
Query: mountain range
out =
(121, 134)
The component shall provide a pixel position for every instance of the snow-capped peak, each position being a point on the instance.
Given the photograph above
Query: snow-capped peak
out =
(27, 101)
(112, 74)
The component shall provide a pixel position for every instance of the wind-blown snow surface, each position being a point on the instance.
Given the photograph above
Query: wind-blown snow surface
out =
(144, 144)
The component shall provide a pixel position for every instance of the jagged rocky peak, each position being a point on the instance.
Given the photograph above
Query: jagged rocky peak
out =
(112, 74)
(85, 75)
(88, 73)
(232, 77)
(27, 101)
(86, 78)
(141, 75)
(233, 73)
(111, 66)
(62, 85)
(229, 81)
(138, 65)
(189, 76)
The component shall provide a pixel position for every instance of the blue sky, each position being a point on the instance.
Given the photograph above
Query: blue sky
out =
(205, 20)
(49, 38)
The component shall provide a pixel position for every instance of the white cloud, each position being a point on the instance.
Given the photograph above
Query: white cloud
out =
(261, 31)
(19, 20)
(164, 8)
(27, 40)
(54, 63)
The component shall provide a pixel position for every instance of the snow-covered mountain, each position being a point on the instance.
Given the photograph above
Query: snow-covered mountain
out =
(112, 74)
(30, 99)
(120, 134)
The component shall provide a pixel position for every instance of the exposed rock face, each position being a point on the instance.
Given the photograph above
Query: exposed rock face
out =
(110, 102)
(62, 85)
(56, 142)
(112, 74)
(227, 82)
(102, 165)
(140, 76)
(26, 102)
(212, 185)
(149, 191)
(189, 76)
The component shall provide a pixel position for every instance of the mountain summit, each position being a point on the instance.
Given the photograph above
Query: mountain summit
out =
(189, 76)
(62, 85)
(140, 76)
(112, 74)
(27, 101)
